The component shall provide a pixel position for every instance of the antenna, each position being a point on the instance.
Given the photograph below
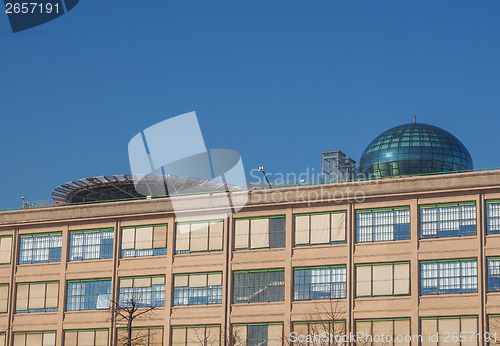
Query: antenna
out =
(261, 169)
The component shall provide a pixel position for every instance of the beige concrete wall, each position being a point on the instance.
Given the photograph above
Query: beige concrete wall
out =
(411, 191)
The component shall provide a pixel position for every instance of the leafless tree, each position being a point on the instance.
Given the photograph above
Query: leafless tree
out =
(326, 317)
(233, 337)
(127, 311)
(208, 337)
(204, 337)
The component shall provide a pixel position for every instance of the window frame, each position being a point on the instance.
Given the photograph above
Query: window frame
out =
(160, 251)
(210, 222)
(83, 298)
(7, 298)
(83, 247)
(271, 235)
(330, 242)
(393, 320)
(490, 218)
(489, 329)
(449, 279)
(43, 310)
(371, 265)
(256, 341)
(438, 318)
(144, 328)
(151, 292)
(35, 332)
(440, 208)
(10, 251)
(248, 286)
(77, 331)
(196, 326)
(373, 234)
(310, 284)
(187, 292)
(32, 249)
(497, 276)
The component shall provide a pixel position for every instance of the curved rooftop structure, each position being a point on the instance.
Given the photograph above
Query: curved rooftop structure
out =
(116, 187)
(414, 149)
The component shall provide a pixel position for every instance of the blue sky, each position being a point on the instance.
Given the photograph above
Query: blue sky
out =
(278, 81)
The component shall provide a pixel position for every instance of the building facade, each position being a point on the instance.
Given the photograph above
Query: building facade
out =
(401, 257)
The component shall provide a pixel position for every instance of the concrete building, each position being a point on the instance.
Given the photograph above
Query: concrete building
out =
(396, 260)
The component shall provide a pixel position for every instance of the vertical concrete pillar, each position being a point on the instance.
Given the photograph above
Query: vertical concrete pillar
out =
(414, 270)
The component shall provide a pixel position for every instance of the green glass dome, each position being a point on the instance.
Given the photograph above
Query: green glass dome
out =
(414, 149)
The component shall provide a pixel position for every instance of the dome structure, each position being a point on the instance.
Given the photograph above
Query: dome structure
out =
(414, 149)
(120, 187)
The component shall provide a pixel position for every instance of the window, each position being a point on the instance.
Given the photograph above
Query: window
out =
(446, 327)
(321, 228)
(37, 297)
(447, 220)
(96, 337)
(335, 328)
(35, 338)
(259, 233)
(88, 294)
(382, 224)
(5, 249)
(92, 244)
(450, 276)
(492, 217)
(37, 248)
(152, 336)
(382, 279)
(259, 286)
(494, 274)
(319, 283)
(258, 334)
(196, 335)
(199, 236)
(3, 341)
(144, 290)
(383, 331)
(198, 288)
(4, 298)
(493, 329)
(144, 241)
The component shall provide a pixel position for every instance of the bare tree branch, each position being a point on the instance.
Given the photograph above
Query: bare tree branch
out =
(324, 321)
(124, 313)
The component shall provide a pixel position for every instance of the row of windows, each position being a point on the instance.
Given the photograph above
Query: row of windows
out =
(90, 244)
(311, 283)
(152, 336)
(199, 288)
(259, 334)
(372, 225)
(85, 294)
(86, 245)
(450, 330)
(434, 331)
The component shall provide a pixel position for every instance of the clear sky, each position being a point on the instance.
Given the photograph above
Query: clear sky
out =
(278, 81)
